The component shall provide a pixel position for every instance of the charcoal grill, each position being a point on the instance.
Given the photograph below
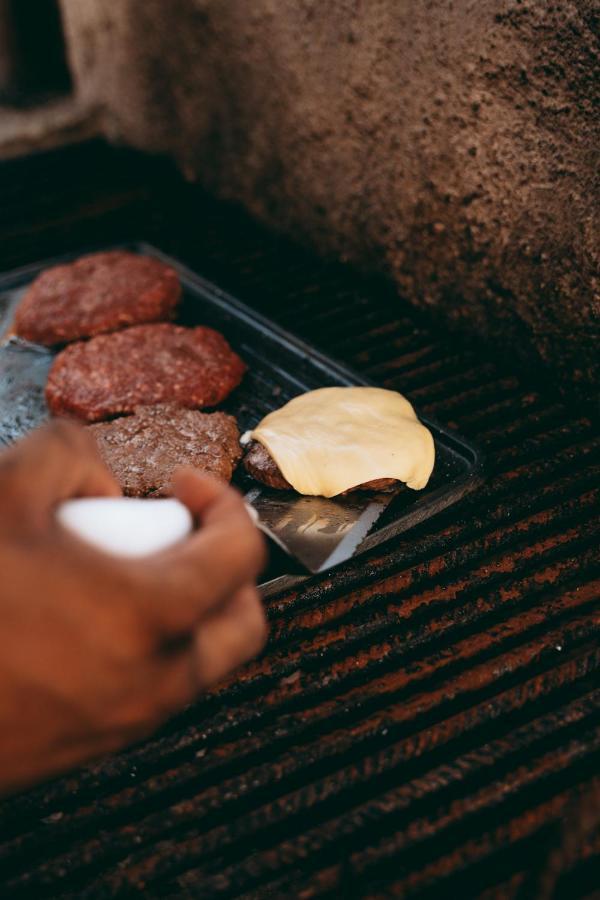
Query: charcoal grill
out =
(426, 720)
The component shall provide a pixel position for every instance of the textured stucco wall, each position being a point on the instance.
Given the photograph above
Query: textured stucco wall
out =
(454, 145)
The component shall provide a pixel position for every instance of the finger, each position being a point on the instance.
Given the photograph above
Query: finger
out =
(197, 490)
(157, 689)
(177, 686)
(183, 584)
(169, 594)
(220, 510)
(170, 680)
(55, 463)
(230, 638)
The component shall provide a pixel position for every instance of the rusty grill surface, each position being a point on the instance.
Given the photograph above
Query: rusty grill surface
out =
(426, 721)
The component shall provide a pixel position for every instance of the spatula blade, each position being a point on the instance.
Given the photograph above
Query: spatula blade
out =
(318, 532)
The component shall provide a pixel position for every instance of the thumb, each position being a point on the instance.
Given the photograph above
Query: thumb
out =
(198, 491)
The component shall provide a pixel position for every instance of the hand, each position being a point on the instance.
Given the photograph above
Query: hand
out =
(96, 651)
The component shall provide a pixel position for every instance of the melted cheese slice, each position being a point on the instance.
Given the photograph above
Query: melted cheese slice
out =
(333, 439)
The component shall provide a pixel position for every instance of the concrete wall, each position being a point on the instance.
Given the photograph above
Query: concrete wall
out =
(453, 144)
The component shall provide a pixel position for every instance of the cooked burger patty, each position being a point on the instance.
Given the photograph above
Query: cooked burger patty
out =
(95, 294)
(259, 463)
(143, 450)
(143, 365)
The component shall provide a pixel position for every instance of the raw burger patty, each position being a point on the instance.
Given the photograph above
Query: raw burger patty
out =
(95, 294)
(259, 463)
(146, 364)
(143, 450)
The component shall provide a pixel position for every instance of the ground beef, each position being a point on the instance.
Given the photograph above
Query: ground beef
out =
(259, 463)
(143, 450)
(95, 294)
(143, 365)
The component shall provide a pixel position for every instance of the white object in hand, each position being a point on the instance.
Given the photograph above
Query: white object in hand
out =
(127, 526)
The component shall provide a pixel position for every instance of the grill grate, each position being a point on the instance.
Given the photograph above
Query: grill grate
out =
(424, 722)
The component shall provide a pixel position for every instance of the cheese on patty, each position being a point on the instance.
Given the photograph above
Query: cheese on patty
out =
(333, 439)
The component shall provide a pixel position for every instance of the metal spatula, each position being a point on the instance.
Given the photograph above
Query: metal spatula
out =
(319, 533)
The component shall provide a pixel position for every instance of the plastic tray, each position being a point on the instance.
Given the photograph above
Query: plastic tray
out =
(280, 367)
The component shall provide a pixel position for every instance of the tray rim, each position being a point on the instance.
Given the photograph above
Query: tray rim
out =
(441, 498)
